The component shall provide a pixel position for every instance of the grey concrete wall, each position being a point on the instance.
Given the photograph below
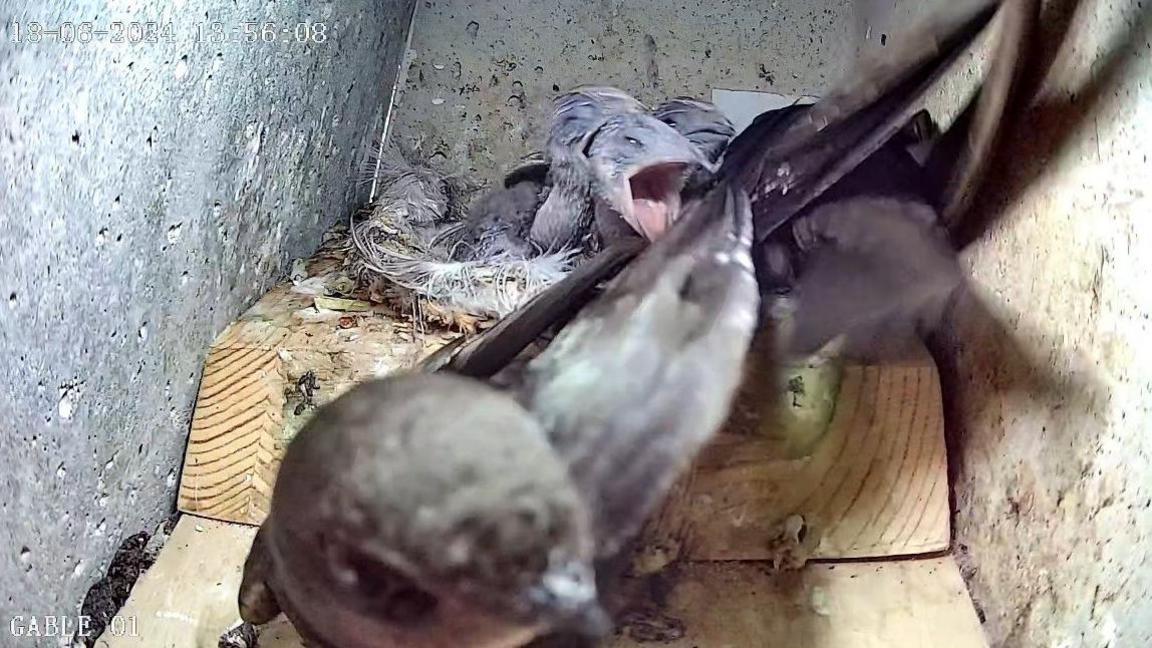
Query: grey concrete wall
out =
(148, 193)
(1050, 395)
(484, 73)
(1051, 401)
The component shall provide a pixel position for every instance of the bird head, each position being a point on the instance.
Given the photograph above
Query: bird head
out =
(640, 165)
(526, 556)
(699, 121)
(577, 112)
(393, 513)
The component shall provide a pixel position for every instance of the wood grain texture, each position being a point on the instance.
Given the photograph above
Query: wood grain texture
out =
(905, 604)
(874, 483)
(246, 409)
(188, 599)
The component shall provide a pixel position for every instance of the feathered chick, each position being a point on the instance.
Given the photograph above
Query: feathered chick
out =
(640, 165)
(699, 121)
(706, 127)
(564, 216)
(397, 521)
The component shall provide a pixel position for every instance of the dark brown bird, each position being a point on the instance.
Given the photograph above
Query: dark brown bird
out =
(855, 265)
(642, 375)
(422, 511)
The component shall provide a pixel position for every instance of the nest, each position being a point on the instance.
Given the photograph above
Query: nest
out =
(411, 237)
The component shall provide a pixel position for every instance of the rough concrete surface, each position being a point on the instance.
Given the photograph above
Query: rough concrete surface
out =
(148, 193)
(1051, 401)
(483, 73)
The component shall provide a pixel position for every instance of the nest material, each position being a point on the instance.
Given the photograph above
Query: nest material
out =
(411, 236)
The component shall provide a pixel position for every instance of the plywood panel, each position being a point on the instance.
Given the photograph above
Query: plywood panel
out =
(188, 599)
(902, 604)
(874, 483)
(252, 401)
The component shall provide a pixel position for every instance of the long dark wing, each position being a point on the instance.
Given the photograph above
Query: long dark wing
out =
(486, 354)
(978, 130)
(877, 268)
(787, 162)
(633, 387)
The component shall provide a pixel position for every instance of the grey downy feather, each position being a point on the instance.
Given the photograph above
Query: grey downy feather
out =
(412, 233)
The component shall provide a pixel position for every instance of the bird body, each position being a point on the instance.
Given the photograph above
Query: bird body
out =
(632, 389)
(396, 521)
(594, 428)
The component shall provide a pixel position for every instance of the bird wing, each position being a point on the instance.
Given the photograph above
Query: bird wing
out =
(785, 162)
(633, 387)
(486, 354)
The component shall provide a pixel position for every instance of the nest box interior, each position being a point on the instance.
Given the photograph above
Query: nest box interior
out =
(990, 489)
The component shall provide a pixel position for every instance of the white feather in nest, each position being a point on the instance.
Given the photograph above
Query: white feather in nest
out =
(409, 238)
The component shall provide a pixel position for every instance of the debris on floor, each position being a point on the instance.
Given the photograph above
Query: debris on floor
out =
(106, 596)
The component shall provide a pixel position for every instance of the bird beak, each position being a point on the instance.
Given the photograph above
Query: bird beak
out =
(567, 596)
(641, 165)
(646, 193)
(648, 197)
(591, 622)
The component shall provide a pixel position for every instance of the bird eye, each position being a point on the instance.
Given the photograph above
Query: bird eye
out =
(633, 141)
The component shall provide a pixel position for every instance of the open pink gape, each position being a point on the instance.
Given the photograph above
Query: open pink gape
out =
(650, 198)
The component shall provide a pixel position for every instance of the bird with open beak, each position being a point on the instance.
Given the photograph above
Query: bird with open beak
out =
(640, 166)
(565, 215)
(423, 511)
(605, 152)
